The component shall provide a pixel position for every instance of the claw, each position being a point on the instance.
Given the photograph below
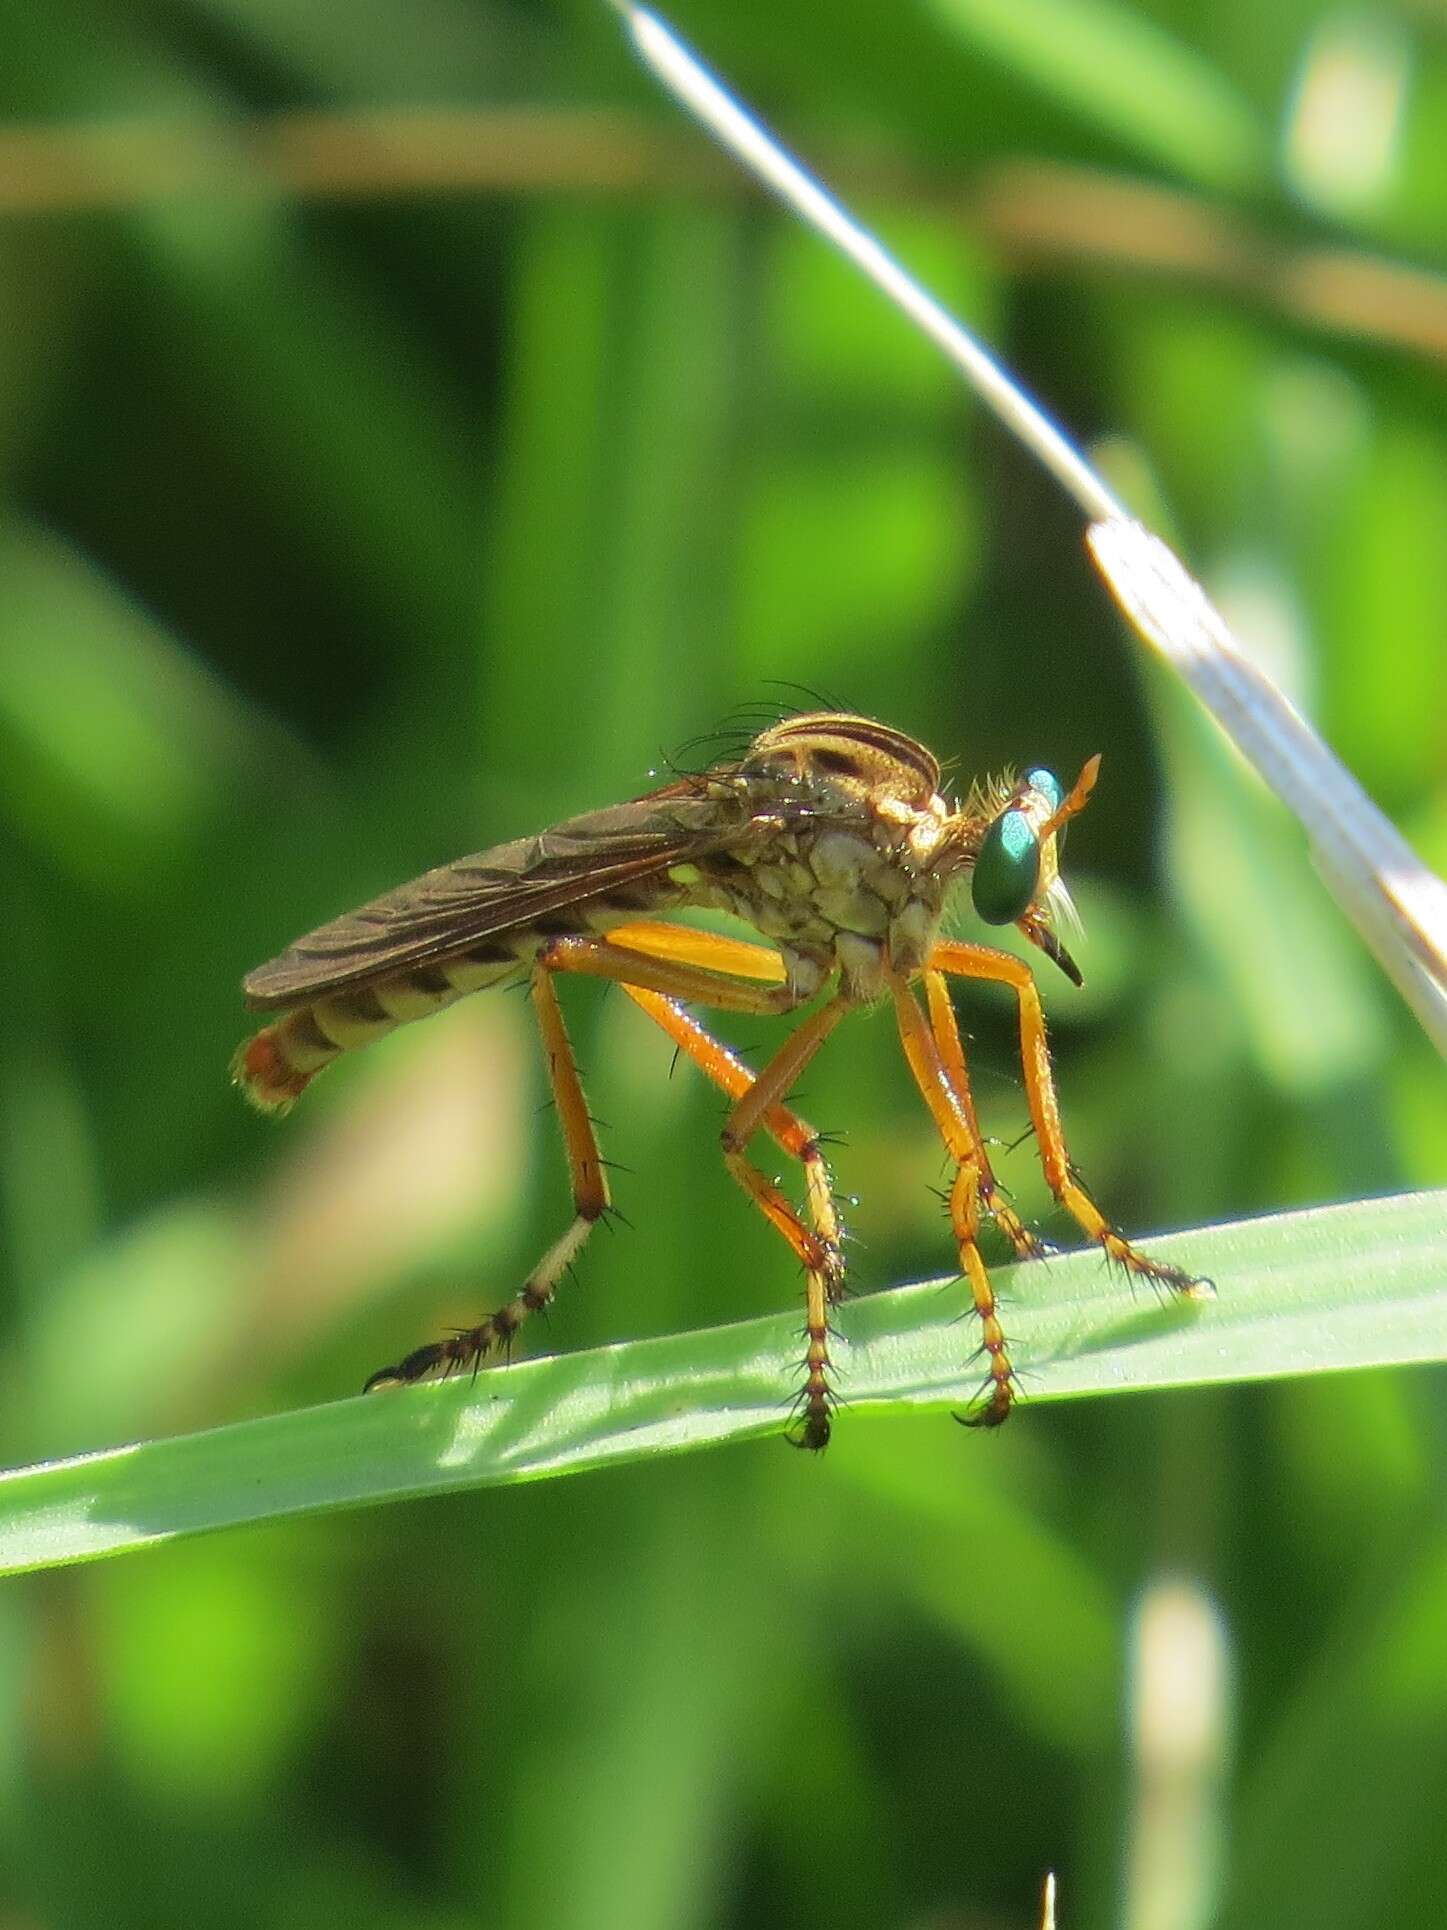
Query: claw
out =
(421, 1361)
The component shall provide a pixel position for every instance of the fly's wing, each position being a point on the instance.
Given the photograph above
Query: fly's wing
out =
(447, 910)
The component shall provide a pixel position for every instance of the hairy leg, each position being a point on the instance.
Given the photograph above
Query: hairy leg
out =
(984, 962)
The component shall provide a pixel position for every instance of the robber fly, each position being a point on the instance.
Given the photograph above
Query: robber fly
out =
(829, 836)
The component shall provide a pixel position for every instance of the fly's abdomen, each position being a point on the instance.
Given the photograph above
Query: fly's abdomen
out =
(276, 1066)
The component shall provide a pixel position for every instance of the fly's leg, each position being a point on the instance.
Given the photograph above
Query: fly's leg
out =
(961, 1138)
(950, 1046)
(594, 958)
(720, 984)
(823, 1262)
(686, 946)
(823, 1259)
(590, 1202)
(698, 966)
(983, 962)
(758, 1103)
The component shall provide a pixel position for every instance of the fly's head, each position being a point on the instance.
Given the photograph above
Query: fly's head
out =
(1016, 831)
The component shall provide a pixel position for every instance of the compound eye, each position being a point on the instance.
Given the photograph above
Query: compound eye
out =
(1007, 871)
(1048, 785)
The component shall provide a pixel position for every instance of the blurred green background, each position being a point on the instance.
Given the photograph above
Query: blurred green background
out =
(410, 435)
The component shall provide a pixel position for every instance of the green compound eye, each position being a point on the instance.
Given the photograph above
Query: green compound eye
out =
(1007, 871)
(1048, 785)
(1053, 791)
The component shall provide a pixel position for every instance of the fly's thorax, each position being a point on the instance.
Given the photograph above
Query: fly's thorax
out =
(850, 850)
(852, 894)
(856, 756)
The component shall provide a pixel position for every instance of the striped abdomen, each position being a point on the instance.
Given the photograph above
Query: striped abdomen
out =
(275, 1066)
(468, 924)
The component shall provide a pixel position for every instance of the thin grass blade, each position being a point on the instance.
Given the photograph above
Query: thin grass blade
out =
(1301, 1293)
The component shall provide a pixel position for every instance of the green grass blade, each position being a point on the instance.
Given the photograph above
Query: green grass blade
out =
(1127, 74)
(1339, 1287)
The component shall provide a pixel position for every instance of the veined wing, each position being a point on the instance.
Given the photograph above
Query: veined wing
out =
(511, 886)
